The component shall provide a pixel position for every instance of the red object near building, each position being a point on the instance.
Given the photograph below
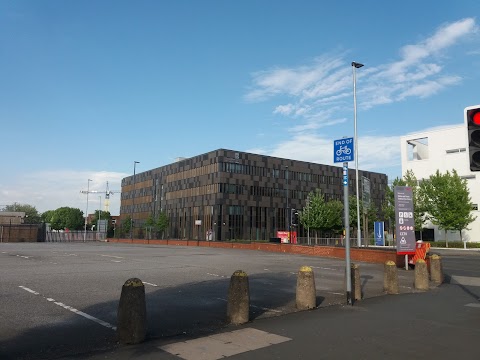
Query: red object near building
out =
(421, 250)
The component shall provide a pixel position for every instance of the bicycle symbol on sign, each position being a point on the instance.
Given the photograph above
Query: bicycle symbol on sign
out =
(343, 150)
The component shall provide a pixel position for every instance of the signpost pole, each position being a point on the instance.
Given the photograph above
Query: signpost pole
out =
(343, 152)
(347, 233)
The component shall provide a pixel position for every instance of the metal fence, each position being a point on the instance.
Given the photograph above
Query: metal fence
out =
(76, 236)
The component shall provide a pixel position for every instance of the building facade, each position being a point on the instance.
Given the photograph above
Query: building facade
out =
(227, 194)
(444, 149)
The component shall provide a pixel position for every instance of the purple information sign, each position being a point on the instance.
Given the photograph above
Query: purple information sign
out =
(405, 229)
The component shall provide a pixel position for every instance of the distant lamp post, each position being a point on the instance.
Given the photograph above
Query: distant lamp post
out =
(355, 66)
(133, 199)
(99, 213)
(86, 213)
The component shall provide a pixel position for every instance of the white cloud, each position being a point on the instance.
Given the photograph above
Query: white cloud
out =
(376, 153)
(49, 190)
(326, 83)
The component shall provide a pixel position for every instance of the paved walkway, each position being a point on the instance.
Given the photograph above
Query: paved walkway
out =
(443, 323)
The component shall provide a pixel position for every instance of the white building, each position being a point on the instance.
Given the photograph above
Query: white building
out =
(444, 149)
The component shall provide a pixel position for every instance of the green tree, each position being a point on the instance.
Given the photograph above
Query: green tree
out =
(126, 225)
(333, 216)
(447, 202)
(159, 225)
(162, 222)
(67, 218)
(320, 215)
(31, 214)
(47, 216)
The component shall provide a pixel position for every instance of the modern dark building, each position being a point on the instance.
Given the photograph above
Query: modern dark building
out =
(227, 194)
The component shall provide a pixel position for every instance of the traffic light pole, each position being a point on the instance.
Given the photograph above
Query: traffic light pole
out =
(347, 234)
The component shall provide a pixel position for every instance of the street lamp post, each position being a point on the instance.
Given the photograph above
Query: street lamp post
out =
(99, 213)
(133, 199)
(86, 213)
(355, 66)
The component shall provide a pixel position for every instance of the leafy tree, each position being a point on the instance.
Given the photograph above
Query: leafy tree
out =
(126, 225)
(67, 218)
(31, 214)
(371, 212)
(447, 202)
(162, 222)
(333, 216)
(47, 216)
(320, 215)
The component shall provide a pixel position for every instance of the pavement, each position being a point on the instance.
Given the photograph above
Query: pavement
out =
(443, 323)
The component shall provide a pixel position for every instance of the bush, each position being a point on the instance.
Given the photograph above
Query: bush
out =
(455, 244)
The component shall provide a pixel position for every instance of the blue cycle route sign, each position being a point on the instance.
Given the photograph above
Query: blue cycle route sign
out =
(343, 150)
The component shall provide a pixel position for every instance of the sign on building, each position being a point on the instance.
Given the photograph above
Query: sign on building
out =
(405, 228)
(366, 193)
(379, 229)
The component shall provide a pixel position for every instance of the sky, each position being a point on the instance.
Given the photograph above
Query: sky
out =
(89, 87)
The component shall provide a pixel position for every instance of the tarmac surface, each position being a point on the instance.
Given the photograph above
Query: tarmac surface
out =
(186, 305)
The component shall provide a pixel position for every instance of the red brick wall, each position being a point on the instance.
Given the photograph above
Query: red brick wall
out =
(364, 255)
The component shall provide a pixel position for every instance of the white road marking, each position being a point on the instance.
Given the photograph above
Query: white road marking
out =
(75, 311)
(150, 284)
(25, 257)
(116, 261)
(116, 257)
(255, 306)
(4, 252)
(216, 275)
(335, 293)
(89, 317)
(473, 305)
(29, 290)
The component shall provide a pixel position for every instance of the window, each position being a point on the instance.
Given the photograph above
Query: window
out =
(475, 207)
(468, 177)
(417, 149)
(454, 151)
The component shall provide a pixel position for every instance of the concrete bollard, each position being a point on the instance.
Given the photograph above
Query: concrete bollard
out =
(421, 275)
(306, 294)
(390, 278)
(238, 303)
(436, 271)
(356, 284)
(132, 313)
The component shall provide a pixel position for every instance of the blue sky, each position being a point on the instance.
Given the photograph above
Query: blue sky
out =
(87, 87)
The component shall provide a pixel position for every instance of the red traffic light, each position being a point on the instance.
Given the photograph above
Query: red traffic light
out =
(474, 116)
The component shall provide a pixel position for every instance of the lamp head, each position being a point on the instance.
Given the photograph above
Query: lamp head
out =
(357, 65)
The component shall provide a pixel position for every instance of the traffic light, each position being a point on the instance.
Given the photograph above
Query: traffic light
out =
(472, 120)
(293, 217)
